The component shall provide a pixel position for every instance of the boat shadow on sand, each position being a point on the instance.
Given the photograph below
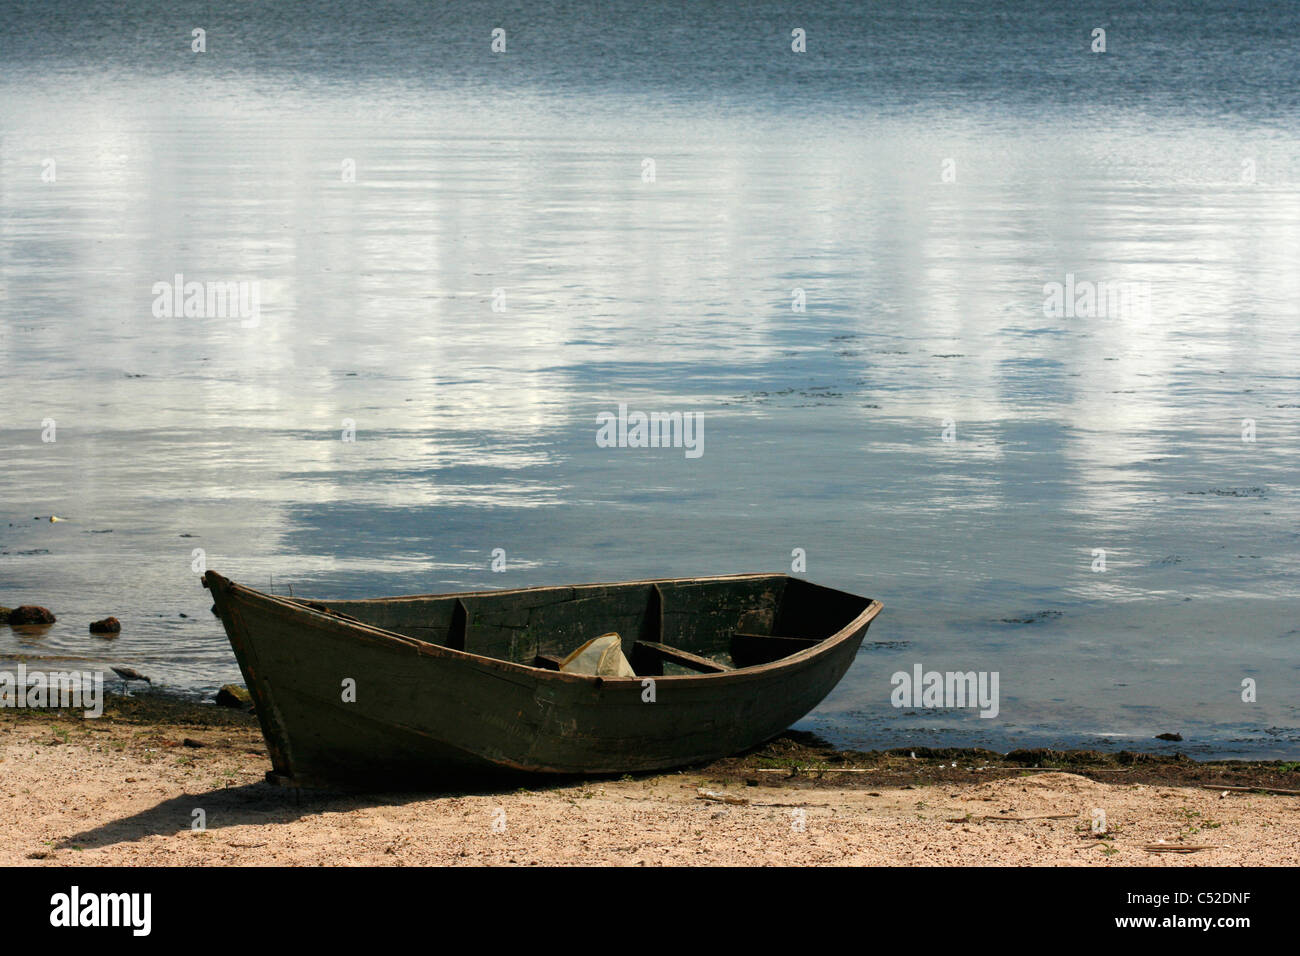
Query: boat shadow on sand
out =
(262, 804)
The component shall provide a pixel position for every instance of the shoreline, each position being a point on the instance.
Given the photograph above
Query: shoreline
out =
(132, 786)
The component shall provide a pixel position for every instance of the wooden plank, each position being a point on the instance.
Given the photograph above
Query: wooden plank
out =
(326, 609)
(702, 617)
(425, 620)
(684, 658)
(791, 641)
(560, 629)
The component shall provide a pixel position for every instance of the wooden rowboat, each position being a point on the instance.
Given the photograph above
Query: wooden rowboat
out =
(423, 690)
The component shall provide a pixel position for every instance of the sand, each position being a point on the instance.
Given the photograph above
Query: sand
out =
(107, 792)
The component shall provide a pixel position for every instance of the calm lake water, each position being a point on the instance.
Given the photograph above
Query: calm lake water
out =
(920, 174)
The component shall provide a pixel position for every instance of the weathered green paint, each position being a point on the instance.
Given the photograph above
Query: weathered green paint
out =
(427, 712)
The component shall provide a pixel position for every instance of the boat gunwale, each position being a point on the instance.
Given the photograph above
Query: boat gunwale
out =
(540, 587)
(374, 634)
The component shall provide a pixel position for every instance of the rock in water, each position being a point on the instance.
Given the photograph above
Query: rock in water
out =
(109, 625)
(31, 614)
(232, 695)
(1169, 736)
(4, 614)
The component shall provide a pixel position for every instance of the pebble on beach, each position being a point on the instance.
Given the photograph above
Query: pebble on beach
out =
(31, 614)
(232, 695)
(109, 625)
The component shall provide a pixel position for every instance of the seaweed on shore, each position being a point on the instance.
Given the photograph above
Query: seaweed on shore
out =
(804, 760)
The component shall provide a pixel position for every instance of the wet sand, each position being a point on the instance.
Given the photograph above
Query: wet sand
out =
(128, 789)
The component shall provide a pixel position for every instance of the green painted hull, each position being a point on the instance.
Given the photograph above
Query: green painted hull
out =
(447, 687)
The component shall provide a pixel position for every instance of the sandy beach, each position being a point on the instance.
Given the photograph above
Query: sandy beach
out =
(131, 789)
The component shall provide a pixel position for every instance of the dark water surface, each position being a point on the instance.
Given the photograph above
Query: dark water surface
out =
(1169, 163)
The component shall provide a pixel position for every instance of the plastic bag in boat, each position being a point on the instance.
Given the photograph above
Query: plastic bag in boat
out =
(602, 656)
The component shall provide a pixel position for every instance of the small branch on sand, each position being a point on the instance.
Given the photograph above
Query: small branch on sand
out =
(1177, 848)
(1045, 816)
(1080, 771)
(1285, 793)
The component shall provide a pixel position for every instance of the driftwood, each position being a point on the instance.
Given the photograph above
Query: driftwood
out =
(794, 770)
(1276, 790)
(797, 770)
(717, 797)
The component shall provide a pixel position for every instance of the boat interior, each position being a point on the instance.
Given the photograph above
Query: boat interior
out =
(696, 626)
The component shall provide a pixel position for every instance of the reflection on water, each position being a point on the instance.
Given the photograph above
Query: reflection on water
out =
(475, 428)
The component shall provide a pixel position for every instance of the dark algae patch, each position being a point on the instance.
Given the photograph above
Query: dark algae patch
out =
(798, 759)
(1038, 617)
(144, 708)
